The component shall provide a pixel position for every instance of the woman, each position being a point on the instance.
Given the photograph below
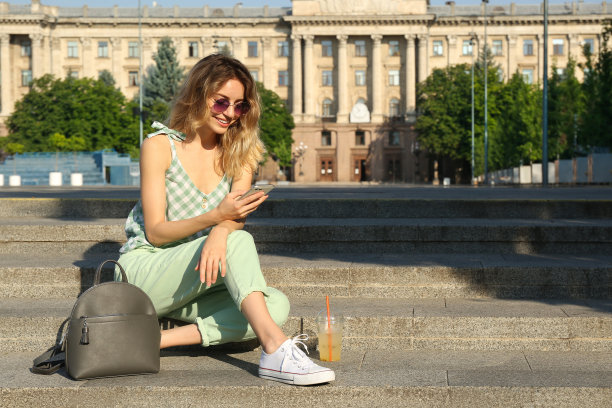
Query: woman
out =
(186, 248)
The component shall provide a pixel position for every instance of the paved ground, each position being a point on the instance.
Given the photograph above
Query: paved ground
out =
(338, 190)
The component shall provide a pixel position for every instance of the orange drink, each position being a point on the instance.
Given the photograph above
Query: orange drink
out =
(330, 336)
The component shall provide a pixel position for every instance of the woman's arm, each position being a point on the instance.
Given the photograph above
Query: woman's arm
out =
(155, 159)
(212, 258)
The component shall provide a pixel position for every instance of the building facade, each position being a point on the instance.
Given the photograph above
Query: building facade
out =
(347, 70)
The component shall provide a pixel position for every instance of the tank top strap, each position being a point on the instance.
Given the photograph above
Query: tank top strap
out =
(172, 147)
(161, 128)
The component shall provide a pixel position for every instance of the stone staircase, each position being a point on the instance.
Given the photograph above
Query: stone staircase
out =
(448, 303)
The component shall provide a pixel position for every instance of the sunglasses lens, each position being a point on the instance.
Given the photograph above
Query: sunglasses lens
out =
(220, 105)
(241, 108)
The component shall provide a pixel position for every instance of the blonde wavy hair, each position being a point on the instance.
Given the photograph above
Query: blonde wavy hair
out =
(240, 146)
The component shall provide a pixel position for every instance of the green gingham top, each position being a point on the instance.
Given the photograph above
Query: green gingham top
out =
(183, 198)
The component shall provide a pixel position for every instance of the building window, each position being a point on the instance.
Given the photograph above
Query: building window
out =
(223, 48)
(360, 48)
(359, 138)
(438, 48)
(394, 107)
(283, 48)
(283, 78)
(394, 77)
(103, 49)
(193, 49)
(255, 75)
(73, 49)
(73, 74)
(590, 43)
(557, 46)
(26, 49)
(497, 48)
(326, 138)
(327, 79)
(500, 74)
(467, 47)
(133, 49)
(360, 78)
(527, 47)
(394, 138)
(26, 77)
(326, 48)
(252, 49)
(394, 49)
(133, 78)
(528, 75)
(327, 108)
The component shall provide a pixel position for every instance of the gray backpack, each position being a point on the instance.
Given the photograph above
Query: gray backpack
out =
(112, 331)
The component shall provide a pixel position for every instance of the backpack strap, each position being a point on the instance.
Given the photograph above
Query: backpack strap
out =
(50, 361)
(53, 359)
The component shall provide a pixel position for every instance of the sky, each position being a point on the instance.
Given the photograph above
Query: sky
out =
(245, 3)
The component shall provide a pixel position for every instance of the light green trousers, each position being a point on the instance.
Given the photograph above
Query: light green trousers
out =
(169, 277)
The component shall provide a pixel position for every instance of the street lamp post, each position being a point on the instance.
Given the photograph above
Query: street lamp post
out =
(486, 122)
(545, 101)
(140, 72)
(473, 164)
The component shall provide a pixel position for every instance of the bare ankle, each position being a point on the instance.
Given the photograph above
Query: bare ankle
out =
(273, 344)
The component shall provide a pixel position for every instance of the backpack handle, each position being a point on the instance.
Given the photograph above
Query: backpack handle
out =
(99, 272)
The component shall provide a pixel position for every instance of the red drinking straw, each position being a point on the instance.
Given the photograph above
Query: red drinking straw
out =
(329, 335)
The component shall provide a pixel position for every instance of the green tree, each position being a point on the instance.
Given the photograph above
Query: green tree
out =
(107, 78)
(85, 108)
(444, 121)
(161, 81)
(275, 124)
(596, 123)
(520, 125)
(565, 108)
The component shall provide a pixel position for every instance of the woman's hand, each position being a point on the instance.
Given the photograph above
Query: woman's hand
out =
(213, 256)
(233, 209)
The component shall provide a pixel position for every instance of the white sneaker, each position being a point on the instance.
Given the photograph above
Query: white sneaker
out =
(290, 365)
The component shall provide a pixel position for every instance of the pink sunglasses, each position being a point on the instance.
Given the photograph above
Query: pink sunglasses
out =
(221, 105)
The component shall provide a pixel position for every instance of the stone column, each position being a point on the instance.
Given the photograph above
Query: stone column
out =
(88, 58)
(37, 55)
(178, 46)
(267, 63)
(451, 41)
(207, 46)
(540, 39)
(511, 61)
(309, 84)
(574, 48)
(377, 80)
(117, 61)
(237, 47)
(56, 58)
(147, 53)
(46, 54)
(343, 108)
(410, 68)
(296, 77)
(422, 57)
(5, 69)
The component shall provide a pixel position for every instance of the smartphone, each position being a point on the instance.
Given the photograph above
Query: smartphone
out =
(266, 188)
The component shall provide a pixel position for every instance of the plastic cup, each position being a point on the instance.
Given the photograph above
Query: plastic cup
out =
(330, 336)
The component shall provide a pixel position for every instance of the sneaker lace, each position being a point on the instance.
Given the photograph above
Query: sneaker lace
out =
(296, 354)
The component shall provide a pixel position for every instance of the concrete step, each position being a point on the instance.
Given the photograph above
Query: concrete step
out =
(325, 207)
(350, 235)
(386, 324)
(364, 379)
(398, 276)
